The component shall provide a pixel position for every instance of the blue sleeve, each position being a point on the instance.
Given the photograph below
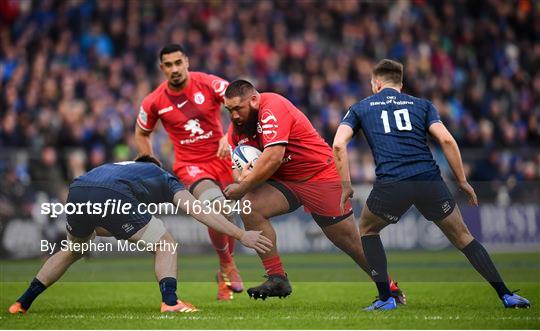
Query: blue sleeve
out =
(351, 119)
(432, 115)
(173, 185)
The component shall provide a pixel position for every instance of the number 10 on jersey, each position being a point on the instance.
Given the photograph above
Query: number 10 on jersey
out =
(403, 121)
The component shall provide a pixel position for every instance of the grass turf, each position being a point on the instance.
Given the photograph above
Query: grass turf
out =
(328, 293)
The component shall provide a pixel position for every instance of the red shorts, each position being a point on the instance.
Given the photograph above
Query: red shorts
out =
(320, 196)
(215, 169)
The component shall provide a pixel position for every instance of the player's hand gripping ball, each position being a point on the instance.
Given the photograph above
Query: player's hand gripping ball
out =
(244, 154)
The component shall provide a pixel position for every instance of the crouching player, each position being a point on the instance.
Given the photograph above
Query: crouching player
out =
(296, 168)
(141, 181)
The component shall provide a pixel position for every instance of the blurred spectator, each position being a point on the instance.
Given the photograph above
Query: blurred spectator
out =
(73, 73)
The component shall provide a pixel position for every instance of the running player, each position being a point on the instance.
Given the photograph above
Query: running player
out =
(396, 126)
(142, 181)
(188, 105)
(296, 168)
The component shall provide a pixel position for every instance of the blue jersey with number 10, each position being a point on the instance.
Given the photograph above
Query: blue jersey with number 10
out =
(396, 127)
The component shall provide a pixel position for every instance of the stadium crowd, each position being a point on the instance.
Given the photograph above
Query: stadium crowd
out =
(73, 74)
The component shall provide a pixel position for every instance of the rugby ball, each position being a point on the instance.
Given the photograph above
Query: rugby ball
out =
(243, 154)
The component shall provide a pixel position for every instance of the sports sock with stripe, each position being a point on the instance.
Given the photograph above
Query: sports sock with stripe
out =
(480, 260)
(376, 257)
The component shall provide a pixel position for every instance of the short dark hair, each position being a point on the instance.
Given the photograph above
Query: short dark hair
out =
(171, 48)
(389, 70)
(147, 158)
(239, 88)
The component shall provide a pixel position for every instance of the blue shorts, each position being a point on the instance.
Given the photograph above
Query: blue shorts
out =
(121, 226)
(426, 191)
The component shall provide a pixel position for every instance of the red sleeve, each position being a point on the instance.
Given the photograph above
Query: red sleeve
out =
(218, 86)
(147, 117)
(276, 122)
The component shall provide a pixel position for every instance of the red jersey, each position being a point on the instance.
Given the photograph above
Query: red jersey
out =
(280, 122)
(191, 117)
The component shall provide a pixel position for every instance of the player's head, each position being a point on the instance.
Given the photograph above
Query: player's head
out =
(174, 64)
(387, 73)
(242, 101)
(147, 158)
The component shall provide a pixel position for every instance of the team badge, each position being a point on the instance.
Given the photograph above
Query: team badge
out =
(198, 98)
(268, 124)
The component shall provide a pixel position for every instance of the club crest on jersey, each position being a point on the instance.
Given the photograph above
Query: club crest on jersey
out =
(194, 126)
(193, 171)
(198, 98)
(268, 124)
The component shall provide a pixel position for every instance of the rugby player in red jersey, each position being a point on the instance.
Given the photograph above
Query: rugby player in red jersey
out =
(295, 168)
(188, 105)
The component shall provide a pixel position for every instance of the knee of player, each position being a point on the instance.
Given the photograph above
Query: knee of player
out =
(167, 238)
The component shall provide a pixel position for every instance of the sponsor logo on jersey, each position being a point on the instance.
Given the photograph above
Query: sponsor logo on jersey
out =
(243, 141)
(194, 126)
(165, 110)
(180, 105)
(143, 116)
(193, 171)
(197, 132)
(198, 98)
(286, 159)
(219, 86)
(269, 124)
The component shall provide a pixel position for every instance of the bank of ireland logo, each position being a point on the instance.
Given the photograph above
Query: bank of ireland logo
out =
(268, 124)
(194, 126)
(198, 98)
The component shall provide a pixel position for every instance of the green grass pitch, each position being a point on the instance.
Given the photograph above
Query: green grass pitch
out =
(443, 292)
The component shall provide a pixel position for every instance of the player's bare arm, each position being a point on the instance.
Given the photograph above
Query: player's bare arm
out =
(343, 135)
(268, 163)
(251, 239)
(143, 140)
(451, 151)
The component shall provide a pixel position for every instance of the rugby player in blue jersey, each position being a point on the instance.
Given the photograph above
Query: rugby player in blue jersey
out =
(396, 126)
(133, 182)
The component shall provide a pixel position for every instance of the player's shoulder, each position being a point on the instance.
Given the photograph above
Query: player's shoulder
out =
(271, 97)
(206, 78)
(209, 81)
(153, 96)
(363, 104)
(418, 102)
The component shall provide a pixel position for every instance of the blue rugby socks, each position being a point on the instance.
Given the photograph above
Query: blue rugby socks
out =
(480, 260)
(376, 257)
(36, 288)
(167, 286)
